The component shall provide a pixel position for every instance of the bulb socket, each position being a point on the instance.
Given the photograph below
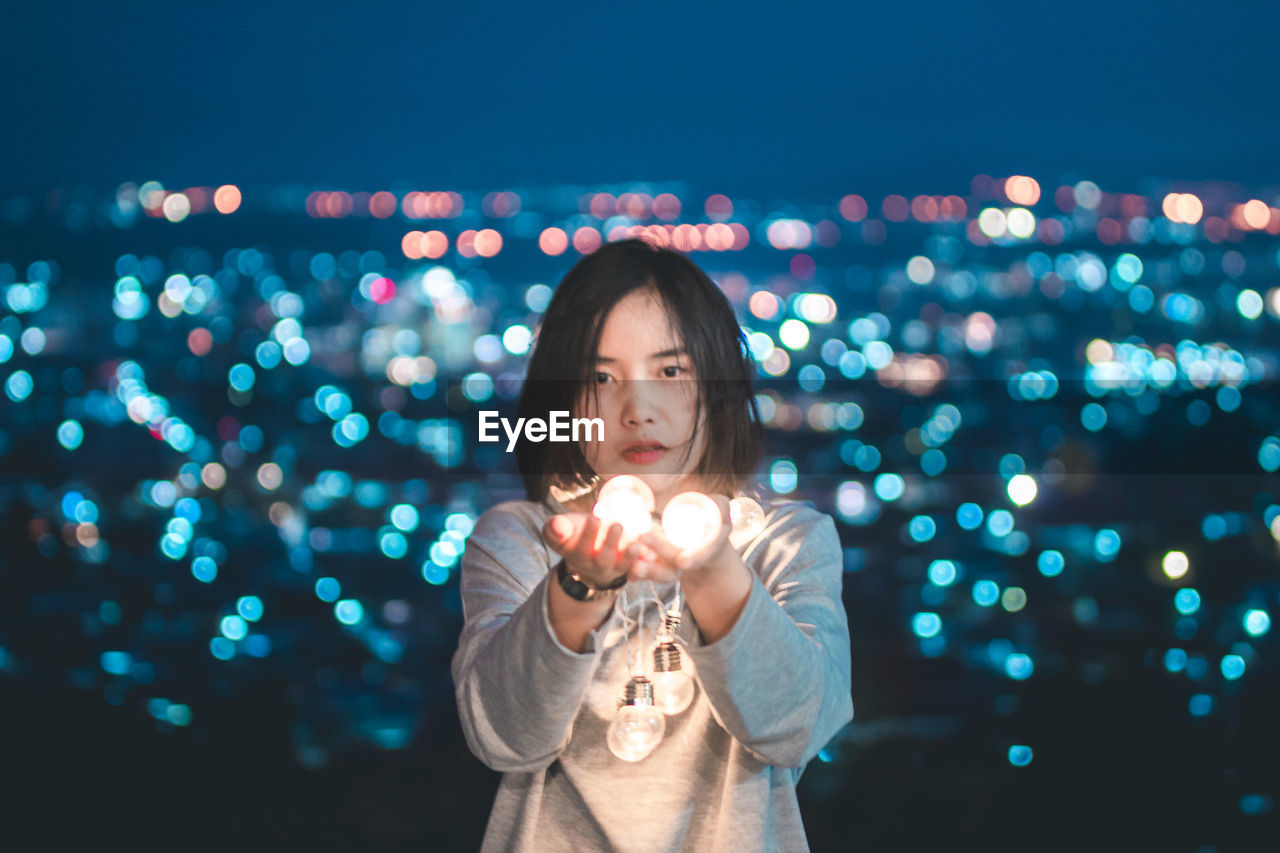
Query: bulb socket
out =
(666, 657)
(671, 623)
(639, 692)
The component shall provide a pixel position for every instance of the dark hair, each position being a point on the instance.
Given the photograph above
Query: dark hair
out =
(563, 361)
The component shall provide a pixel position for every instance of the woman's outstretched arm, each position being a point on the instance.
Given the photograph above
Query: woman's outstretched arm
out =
(518, 687)
(777, 668)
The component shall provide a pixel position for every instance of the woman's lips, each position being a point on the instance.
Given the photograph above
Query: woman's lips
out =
(643, 455)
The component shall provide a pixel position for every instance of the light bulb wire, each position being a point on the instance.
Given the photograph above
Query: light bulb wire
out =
(622, 610)
(627, 622)
(639, 670)
(660, 630)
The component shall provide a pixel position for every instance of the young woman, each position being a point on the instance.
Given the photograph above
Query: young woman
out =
(640, 337)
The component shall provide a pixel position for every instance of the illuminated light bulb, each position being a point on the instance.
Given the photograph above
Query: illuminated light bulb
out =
(639, 726)
(627, 483)
(747, 517)
(672, 690)
(691, 519)
(673, 686)
(625, 509)
(628, 501)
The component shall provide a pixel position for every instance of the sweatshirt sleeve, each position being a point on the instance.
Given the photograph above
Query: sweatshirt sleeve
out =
(780, 680)
(518, 687)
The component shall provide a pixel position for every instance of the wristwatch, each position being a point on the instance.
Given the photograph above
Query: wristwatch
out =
(580, 589)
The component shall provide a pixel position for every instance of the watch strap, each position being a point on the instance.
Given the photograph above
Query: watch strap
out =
(581, 589)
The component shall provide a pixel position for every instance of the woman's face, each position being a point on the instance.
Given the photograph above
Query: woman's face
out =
(646, 394)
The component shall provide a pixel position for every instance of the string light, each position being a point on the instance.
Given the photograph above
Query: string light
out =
(747, 518)
(691, 519)
(626, 500)
(639, 726)
(673, 688)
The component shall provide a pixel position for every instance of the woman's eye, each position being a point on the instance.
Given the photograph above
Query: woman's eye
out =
(671, 371)
(602, 378)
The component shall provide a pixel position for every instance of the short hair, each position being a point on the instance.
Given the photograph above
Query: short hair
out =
(562, 364)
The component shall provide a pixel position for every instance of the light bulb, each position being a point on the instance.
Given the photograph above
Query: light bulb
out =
(747, 517)
(673, 689)
(628, 501)
(639, 726)
(691, 519)
(627, 483)
(625, 509)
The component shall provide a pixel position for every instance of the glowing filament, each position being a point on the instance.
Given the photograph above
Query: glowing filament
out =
(628, 501)
(691, 519)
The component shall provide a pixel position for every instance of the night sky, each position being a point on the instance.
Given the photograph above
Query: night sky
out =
(738, 97)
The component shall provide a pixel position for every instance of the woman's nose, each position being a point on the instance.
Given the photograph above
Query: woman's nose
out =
(639, 405)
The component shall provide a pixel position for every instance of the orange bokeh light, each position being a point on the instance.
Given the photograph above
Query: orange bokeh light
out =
(853, 208)
(382, 205)
(1256, 214)
(501, 205)
(895, 208)
(466, 243)
(488, 242)
(719, 207)
(952, 208)
(338, 204)
(431, 205)
(199, 341)
(1190, 208)
(763, 304)
(553, 241)
(635, 205)
(924, 208)
(226, 198)
(410, 245)
(686, 238)
(586, 239)
(433, 244)
(718, 237)
(602, 205)
(1022, 190)
(658, 235)
(666, 206)
(1182, 207)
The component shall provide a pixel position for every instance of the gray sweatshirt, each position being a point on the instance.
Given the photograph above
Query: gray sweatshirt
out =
(770, 694)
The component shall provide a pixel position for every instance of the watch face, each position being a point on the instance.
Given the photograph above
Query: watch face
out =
(577, 589)
(573, 587)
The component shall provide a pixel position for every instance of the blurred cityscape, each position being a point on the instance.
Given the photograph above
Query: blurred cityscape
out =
(239, 468)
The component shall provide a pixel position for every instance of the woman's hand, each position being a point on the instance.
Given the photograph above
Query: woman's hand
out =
(663, 562)
(589, 549)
